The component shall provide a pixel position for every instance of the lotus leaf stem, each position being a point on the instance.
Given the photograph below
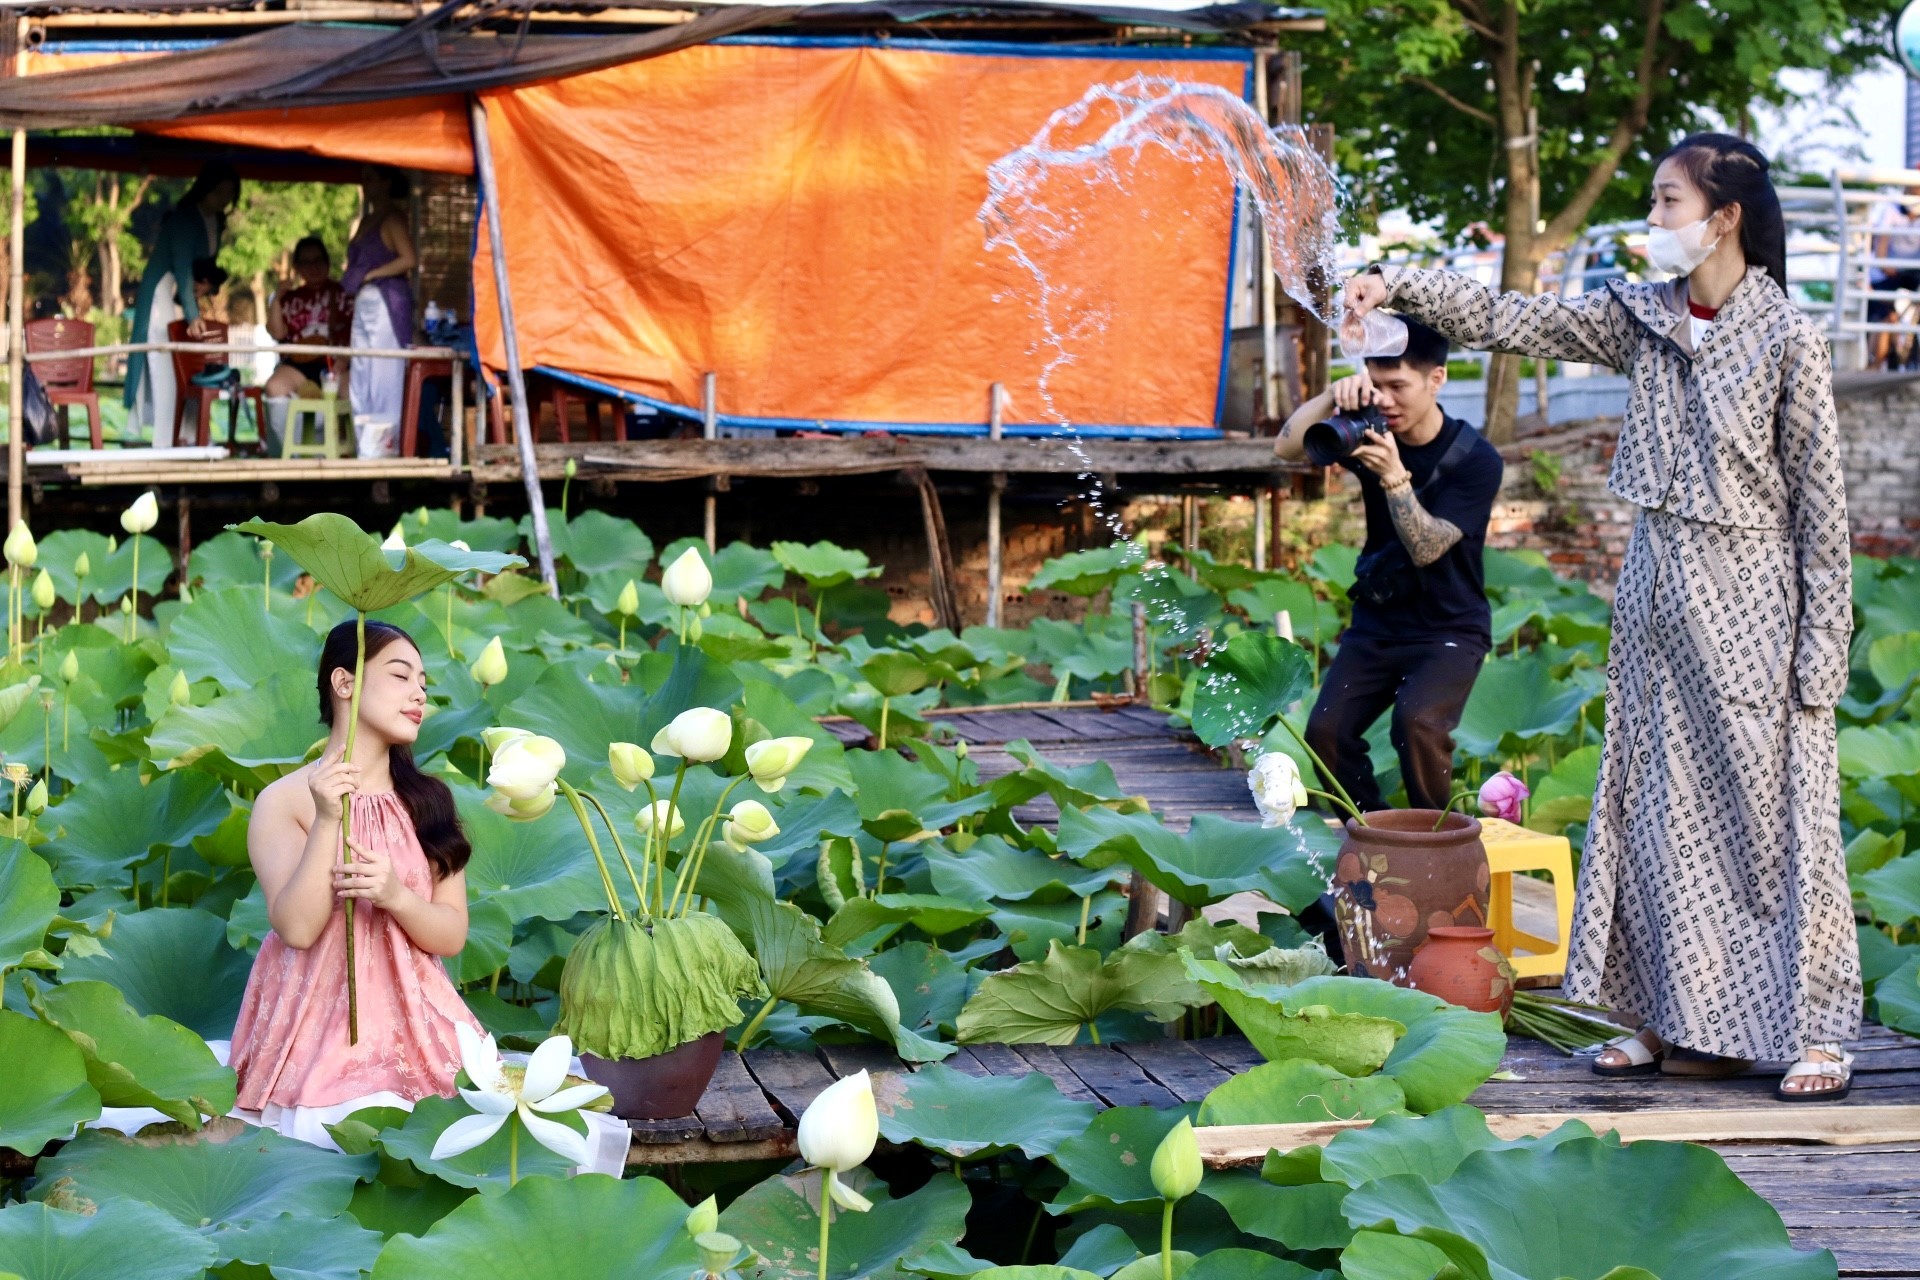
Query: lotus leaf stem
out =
(1093, 1029)
(450, 652)
(826, 1217)
(133, 619)
(593, 842)
(1345, 800)
(513, 1150)
(886, 704)
(346, 810)
(663, 826)
(1166, 1241)
(1447, 812)
(880, 872)
(166, 876)
(697, 853)
(746, 1036)
(623, 633)
(1086, 909)
(266, 584)
(639, 890)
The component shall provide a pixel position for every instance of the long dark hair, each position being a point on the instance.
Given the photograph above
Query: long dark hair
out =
(428, 800)
(1730, 170)
(211, 175)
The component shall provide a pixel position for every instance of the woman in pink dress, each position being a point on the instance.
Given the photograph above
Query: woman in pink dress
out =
(408, 880)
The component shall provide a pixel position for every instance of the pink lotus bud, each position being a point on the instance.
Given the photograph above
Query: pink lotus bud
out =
(1502, 795)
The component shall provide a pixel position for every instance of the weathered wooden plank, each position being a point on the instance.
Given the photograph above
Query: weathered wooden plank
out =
(847, 1059)
(1000, 1059)
(1012, 726)
(1046, 1060)
(792, 1080)
(1083, 725)
(964, 1062)
(734, 1109)
(1187, 1074)
(683, 1129)
(1114, 1077)
(703, 1151)
(1233, 1053)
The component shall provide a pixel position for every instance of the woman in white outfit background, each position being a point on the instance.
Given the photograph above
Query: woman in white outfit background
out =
(379, 261)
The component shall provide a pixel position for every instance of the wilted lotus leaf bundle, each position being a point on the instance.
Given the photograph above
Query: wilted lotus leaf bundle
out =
(632, 990)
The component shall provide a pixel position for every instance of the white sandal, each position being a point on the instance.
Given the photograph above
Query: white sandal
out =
(1642, 1060)
(1840, 1068)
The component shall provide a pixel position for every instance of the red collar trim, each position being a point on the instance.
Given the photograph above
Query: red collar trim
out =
(1699, 312)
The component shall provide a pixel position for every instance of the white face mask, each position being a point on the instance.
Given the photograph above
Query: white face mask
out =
(1679, 252)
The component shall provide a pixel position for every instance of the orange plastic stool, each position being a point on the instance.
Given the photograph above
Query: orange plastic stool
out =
(1509, 849)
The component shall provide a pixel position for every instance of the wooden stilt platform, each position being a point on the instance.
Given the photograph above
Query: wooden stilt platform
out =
(1860, 1199)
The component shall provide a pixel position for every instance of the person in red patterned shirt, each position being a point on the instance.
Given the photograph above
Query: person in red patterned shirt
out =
(317, 312)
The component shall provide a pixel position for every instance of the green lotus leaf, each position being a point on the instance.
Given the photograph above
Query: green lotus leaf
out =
(126, 1240)
(1079, 787)
(1102, 1249)
(225, 636)
(404, 1200)
(931, 913)
(228, 1175)
(1870, 849)
(110, 574)
(1892, 891)
(16, 696)
(894, 673)
(823, 565)
(1447, 1052)
(247, 922)
(295, 1247)
(898, 799)
(1256, 677)
(1097, 649)
(1213, 859)
(587, 1228)
(633, 990)
(1586, 1208)
(47, 1092)
(598, 543)
(1052, 1001)
(972, 1117)
(349, 562)
(1300, 1091)
(929, 985)
(137, 1061)
(1315, 622)
(1374, 1255)
(1110, 1165)
(1894, 660)
(28, 903)
(1284, 1026)
(175, 963)
(990, 868)
(226, 844)
(234, 560)
(489, 939)
(780, 1219)
(1896, 998)
(120, 670)
(486, 533)
(485, 1167)
(248, 738)
(1518, 701)
(1178, 608)
(541, 869)
(1088, 573)
(114, 822)
(1031, 927)
(1038, 1271)
(1248, 1264)
(800, 968)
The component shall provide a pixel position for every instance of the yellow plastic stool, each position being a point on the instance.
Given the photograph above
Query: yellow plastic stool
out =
(1509, 849)
(329, 410)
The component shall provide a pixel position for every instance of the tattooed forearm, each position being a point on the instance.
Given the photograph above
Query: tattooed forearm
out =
(1427, 537)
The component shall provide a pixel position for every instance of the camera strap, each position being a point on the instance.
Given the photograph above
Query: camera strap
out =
(1456, 454)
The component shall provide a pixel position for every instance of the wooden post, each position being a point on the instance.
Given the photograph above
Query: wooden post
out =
(1259, 530)
(710, 430)
(1190, 522)
(940, 575)
(516, 377)
(184, 534)
(996, 423)
(457, 415)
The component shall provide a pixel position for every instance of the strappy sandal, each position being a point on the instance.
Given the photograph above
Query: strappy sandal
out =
(1698, 1065)
(1840, 1068)
(1641, 1060)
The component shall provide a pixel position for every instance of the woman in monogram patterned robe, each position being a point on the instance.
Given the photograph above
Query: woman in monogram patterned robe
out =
(1713, 898)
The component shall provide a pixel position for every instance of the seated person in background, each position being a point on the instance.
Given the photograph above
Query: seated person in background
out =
(317, 312)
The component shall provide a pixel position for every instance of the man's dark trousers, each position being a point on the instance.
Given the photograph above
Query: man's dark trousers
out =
(1426, 680)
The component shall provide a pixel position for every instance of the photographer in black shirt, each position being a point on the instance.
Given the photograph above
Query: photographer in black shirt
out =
(1421, 624)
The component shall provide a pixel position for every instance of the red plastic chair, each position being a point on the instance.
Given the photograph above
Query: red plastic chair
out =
(563, 395)
(67, 382)
(418, 371)
(188, 363)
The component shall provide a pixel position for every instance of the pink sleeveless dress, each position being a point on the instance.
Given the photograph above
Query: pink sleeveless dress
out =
(290, 1042)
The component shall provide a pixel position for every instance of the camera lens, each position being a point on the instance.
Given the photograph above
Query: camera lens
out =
(1326, 443)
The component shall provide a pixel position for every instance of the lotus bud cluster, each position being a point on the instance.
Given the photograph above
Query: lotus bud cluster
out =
(772, 760)
(699, 734)
(1502, 796)
(142, 515)
(687, 581)
(631, 766)
(1277, 789)
(524, 772)
(490, 668)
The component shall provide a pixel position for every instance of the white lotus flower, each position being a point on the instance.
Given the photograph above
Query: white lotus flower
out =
(490, 668)
(657, 813)
(748, 822)
(631, 765)
(1277, 788)
(523, 810)
(460, 544)
(21, 549)
(525, 768)
(142, 515)
(497, 1096)
(838, 1131)
(772, 760)
(698, 734)
(687, 581)
(396, 541)
(500, 735)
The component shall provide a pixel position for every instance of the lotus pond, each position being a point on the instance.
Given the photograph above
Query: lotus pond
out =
(890, 897)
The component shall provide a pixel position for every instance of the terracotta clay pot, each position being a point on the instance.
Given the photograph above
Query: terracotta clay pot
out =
(1461, 965)
(664, 1087)
(1397, 878)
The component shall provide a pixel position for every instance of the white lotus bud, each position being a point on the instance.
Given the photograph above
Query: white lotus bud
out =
(698, 734)
(629, 602)
(630, 763)
(523, 810)
(180, 693)
(142, 515)
(687, 580)
(490, 668)
(44, 594)
(658, 813)
(70, 667)
(500, 735)
(21, 549)
(748, 822)
(838, 1131)
(526, 767)
(1176, 1167)
(396, 541)
(772, 760)
(82, 565)
(1277, 789)
(37, 798)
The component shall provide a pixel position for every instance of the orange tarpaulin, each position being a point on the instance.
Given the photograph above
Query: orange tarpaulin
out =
(801, 220)
(408, 133)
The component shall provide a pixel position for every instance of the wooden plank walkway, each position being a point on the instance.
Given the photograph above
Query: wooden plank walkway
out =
(1862, 1202)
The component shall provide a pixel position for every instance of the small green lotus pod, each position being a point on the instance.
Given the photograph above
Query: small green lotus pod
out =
(718, 1250)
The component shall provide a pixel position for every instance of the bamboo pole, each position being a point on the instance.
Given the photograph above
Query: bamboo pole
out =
(17, 334)
(249, 348)
(996, 568)
(710, 430)
(516, 377)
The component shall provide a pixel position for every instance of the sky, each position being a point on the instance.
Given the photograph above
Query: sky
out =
(1816, 133)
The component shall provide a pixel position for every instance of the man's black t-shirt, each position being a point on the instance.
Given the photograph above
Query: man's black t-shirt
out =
(1451, 600)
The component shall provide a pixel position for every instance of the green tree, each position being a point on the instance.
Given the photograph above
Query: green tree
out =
(1534, 118)
(271, 217)
(99, 220)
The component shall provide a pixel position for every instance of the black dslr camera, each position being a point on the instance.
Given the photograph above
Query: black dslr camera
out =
(1328, 442)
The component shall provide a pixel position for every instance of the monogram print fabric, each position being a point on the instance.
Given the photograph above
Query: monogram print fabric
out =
(1713, 896)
